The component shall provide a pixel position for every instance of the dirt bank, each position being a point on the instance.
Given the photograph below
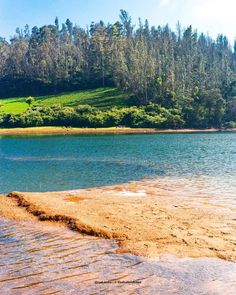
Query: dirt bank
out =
(143, 217)
(62, 130)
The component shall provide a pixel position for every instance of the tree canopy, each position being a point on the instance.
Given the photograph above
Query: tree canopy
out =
(181, 69)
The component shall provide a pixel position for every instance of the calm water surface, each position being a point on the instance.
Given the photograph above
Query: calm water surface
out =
(71, 162)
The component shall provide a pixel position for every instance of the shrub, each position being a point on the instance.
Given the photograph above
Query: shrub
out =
(230, 124)
(151, 116)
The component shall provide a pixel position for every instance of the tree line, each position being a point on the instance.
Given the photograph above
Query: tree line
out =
(182, 70)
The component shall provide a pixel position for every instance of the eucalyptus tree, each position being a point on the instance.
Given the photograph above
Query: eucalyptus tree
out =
(181, 69)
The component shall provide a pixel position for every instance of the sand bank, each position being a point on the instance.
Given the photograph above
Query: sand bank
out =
(143, 217)
(63, 130)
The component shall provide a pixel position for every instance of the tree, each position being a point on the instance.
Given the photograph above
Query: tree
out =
(30, 100)
(183, 70)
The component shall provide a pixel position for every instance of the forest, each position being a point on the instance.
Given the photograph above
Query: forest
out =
(182, 78)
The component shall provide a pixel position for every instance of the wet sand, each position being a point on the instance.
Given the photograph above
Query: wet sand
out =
(146, 218)
(122, 130)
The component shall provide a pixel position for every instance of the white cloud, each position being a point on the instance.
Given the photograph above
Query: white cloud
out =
(215, 16)
(164, 2)
(215, 9)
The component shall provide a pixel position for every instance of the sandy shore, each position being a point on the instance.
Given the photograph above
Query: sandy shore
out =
(143, 217)
(63, 130)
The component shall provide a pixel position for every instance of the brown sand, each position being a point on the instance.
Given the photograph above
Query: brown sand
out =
(9, 209)
(63, 130)
(145, 219)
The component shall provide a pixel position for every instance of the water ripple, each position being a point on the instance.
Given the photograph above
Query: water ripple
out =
(32, 262)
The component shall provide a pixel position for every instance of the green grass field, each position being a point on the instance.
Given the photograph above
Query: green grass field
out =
(101, 97)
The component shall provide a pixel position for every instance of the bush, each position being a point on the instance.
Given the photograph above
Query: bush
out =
(230, 124)
(151, 116)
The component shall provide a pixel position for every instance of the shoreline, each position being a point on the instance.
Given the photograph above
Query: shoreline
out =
(127, 213)
(51, 130)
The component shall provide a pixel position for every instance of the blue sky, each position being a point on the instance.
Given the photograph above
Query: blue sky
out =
(208, 16)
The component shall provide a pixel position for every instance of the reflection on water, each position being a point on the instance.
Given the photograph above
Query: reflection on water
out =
(50, 260)
(216, 190)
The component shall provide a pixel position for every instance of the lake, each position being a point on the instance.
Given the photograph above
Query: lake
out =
(49, 163)
(38, 259)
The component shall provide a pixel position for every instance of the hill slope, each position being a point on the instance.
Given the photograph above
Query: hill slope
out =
(101, 97)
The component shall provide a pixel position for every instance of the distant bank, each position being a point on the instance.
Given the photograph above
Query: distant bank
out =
(64, 130)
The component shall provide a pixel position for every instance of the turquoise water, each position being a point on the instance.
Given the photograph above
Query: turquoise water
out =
(46, 163)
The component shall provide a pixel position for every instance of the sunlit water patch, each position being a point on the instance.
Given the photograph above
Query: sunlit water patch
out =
(49, 260)
(215, 190)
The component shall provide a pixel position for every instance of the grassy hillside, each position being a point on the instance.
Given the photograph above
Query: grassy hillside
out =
(101, 97)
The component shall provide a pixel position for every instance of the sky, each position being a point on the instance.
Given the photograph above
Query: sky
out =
(208, 16)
